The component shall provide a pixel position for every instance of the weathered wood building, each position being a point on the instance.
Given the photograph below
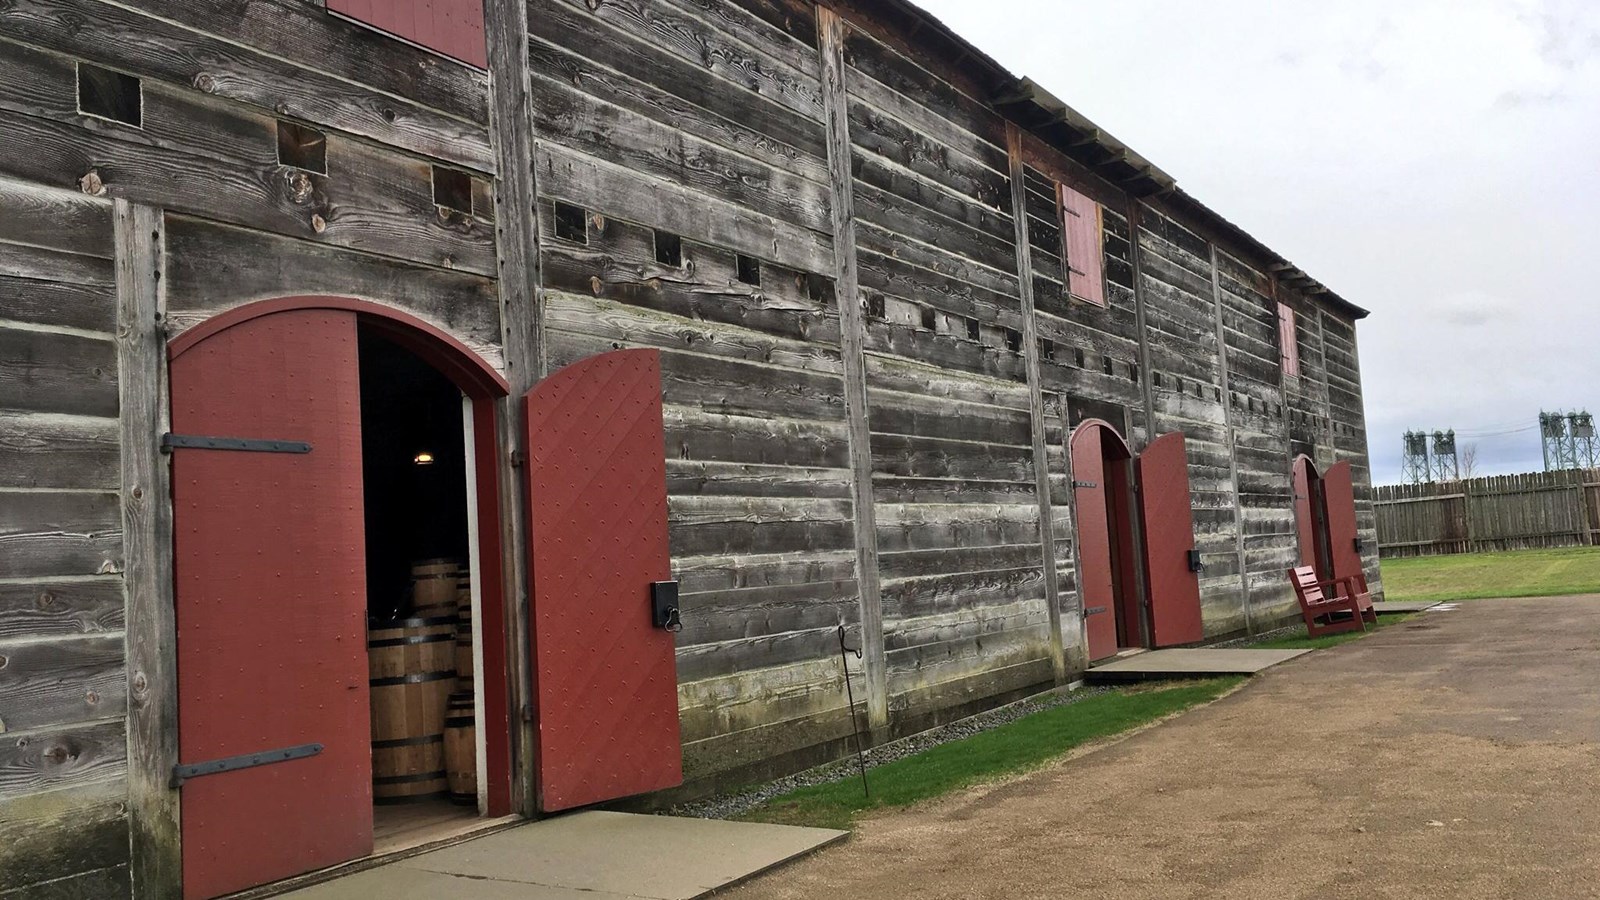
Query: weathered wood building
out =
(924, 339)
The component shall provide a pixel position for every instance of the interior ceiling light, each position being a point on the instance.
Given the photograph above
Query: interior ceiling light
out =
(423, 459)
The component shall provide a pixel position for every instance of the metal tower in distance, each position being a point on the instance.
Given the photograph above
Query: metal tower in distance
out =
(1585, 449)
(1560, 445)
(1414, 467)
(1446, 467)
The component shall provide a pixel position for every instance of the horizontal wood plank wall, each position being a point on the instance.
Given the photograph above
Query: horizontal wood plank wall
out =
(215, 80)
(1261, 452)
(702, 121)
(63, 683)
(1186, 377)
(1089, 356)
(1347, 425)
(1489, 515)
(966, 619)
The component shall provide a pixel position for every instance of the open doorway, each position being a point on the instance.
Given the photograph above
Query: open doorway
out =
(416, 453)
(276, 407)
(1310, 518)
(1102, 480)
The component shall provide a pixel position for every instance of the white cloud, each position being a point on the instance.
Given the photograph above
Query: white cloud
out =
(1434, 161)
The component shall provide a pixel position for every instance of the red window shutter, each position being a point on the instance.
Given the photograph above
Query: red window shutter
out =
(1288, 346)
(451, 27)
(1080, 227)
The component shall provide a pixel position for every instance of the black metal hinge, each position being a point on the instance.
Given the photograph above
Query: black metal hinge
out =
(182, 773)
(1085, 484)
(171, 442)
(1094, 611)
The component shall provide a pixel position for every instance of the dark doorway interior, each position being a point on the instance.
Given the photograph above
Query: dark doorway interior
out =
(1311, 522)
(415, 509)
(414, 467)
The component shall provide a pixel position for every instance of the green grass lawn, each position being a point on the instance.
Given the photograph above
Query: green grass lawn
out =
(1015, 747)
(1474, 576)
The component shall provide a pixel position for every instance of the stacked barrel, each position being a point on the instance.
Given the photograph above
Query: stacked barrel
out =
(423, 736)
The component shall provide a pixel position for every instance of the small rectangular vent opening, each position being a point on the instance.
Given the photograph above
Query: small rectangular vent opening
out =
(572, 223)
(109, 95)
(302, 148)
(1047, 348)
(669, 249)
(749, 270)
(973, 331)
(452, 189)
(930, 318)
(1013, 340)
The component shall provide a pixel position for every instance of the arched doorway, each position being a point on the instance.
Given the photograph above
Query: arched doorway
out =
(1102, 484)
(1325, 519)
(300, 430)
(1310, 518)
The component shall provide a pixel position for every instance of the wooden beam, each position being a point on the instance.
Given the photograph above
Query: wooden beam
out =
(1030, 356)
(522, 331)
(1233, 437)
(831, 32)
(156, 861)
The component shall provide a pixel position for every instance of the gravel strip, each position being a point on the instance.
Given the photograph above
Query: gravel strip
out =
(728, 806)
(1245, 642)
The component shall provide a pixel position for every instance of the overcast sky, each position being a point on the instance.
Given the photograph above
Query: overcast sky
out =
(1435, 161)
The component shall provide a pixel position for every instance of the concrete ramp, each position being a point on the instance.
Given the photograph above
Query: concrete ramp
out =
(1186, 663)
(586, 856)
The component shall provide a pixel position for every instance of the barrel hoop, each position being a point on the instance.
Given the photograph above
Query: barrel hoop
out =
(463, 799)
(409, 779)
(408, 742)
(415, 678)
(434, 576)
(457, 722)
(413, 639)
(412, 623)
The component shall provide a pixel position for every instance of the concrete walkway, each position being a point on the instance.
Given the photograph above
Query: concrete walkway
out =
(585, 856)
(1454, 756)
(1197, 662)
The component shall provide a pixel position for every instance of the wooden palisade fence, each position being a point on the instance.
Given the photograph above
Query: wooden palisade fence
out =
(1482, 515)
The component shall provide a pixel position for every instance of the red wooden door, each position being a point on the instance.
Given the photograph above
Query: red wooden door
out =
(271, 601)
(1095, 588)
(451, 27)
(1306, 514)
(1168, 516)
(606, 677)
(1339, 510)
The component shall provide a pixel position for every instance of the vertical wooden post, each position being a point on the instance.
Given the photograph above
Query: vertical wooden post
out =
(1233, 438)
(1030, 358)
(831, 32)
(522, 333)
(1145, 379)
(156, 853)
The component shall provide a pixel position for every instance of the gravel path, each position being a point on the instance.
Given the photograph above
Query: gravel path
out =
(1453, 756)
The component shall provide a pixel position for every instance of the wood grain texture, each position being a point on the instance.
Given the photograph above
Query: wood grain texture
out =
(78, 606)
(522, 337)
(46, 450)
(1030, 351)
(50, 533)
(146, 483)
(32, 762)
(74, 833)
(62, 680)
(209, 62)
(831, 36)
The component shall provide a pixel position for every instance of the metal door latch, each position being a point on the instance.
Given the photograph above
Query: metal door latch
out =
(182, 773)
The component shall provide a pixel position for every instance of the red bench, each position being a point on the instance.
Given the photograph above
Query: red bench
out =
(1349, 610)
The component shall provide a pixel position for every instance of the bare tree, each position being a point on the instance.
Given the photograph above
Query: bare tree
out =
(1469, 461)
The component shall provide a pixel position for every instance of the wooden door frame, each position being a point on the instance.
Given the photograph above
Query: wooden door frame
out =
(1322, 551)
(145, 354)
(1128, 583)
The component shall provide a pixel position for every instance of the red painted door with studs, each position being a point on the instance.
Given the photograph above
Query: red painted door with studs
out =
(606, 677)
(1095, 585)
(271, 601)
(1339, 499)
(1167, 512)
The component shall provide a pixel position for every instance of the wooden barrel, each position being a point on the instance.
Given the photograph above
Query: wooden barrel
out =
(433, 587)
(411, 664)
(461, 750)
